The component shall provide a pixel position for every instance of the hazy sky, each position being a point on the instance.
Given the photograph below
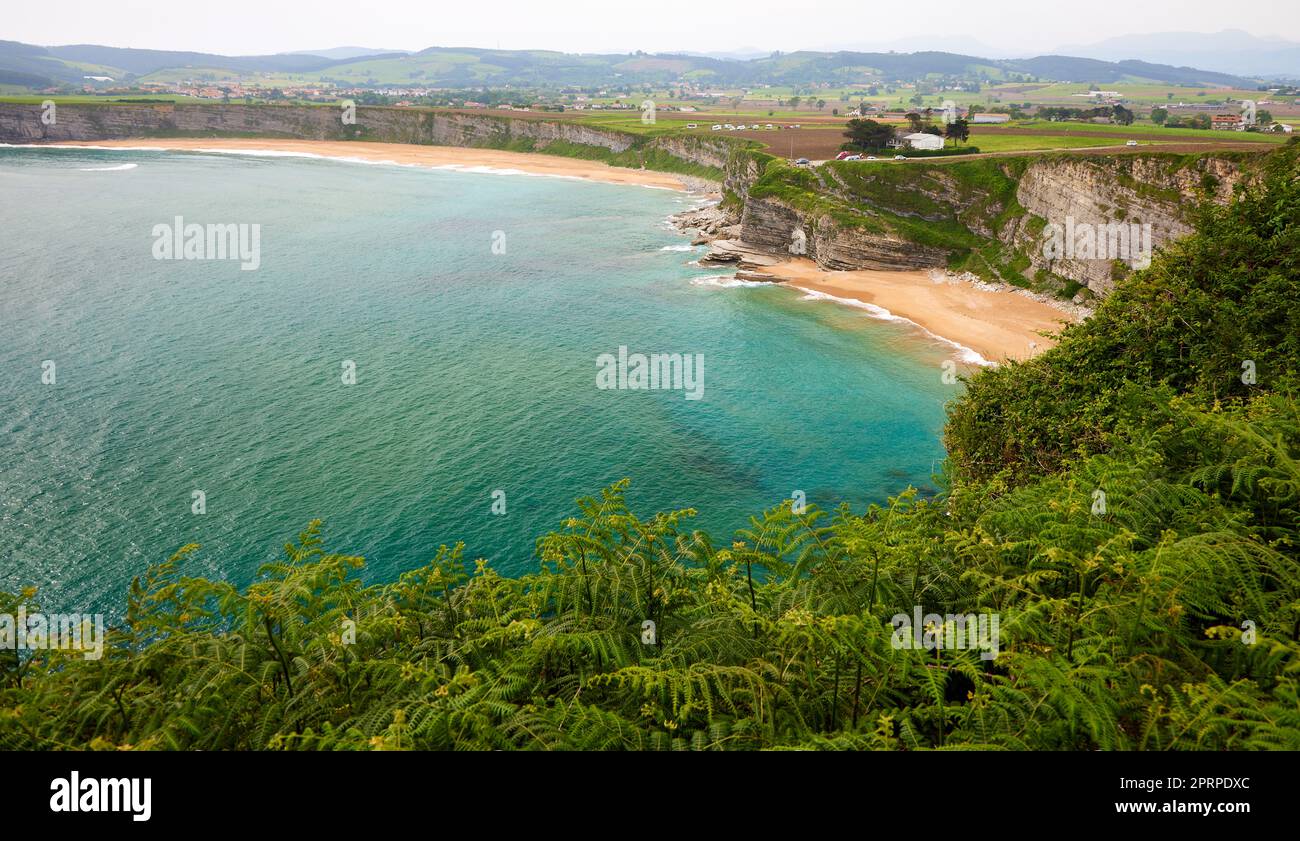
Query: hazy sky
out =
(266, 26)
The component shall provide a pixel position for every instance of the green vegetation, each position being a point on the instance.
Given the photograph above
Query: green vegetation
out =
(1148, 130)
(1125, 503)
(939, 153)
(949, 206)
(1041, 142)
(1191, 321)
(90, 99)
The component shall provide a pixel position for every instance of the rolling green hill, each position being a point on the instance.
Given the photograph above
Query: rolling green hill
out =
(35, 66)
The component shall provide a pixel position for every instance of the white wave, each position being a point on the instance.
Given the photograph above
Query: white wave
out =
(479, 169)
(726, 281)
(117, 168)
(964, 354)
(482, 169)
(678, 248)
(79, 146)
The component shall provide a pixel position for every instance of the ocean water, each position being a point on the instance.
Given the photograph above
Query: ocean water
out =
(475, 371)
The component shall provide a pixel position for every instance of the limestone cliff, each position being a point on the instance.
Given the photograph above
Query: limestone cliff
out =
(989, 216)
(1123, 190)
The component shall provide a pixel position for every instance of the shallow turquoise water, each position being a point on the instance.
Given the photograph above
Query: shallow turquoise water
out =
(475, 371)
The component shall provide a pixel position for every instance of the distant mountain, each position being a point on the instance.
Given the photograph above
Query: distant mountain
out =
(455, 67)
(339, 53)
(1230, 51)
(1071, 69)
(928, 43)
(46, 66)
(141, 62)
(743, 54)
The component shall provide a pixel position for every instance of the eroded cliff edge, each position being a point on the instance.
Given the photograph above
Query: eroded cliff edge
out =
(701, 157)
(987, 216)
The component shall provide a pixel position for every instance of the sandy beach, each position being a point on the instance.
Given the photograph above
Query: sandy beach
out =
(998, 325)
(403, 153)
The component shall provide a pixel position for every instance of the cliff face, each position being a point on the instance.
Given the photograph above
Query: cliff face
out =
(772, 226)
(990, 216)
(1120, 191)
(22, 124)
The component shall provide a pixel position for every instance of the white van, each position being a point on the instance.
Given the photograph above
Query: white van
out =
(716, 128)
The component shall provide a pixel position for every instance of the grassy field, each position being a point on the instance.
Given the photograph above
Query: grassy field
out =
(821, 139)
(92, 99)
(1029, 142)
(1146, 128)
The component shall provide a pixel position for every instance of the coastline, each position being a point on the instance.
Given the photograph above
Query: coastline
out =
(435, 157)
(985, 326)
(992, 324)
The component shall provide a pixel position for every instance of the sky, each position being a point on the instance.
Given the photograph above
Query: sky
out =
(248, 27)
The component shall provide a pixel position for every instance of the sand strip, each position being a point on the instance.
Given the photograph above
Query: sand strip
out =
(405, 153)
(997, 325)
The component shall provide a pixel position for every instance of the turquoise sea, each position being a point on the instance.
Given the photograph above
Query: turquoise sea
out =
(475, 370)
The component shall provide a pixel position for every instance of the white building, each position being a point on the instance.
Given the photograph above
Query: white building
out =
(921, 140)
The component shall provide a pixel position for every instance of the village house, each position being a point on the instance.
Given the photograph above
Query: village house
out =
(921, 140)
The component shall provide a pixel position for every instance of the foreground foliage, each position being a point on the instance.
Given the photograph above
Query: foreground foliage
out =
(1166, 617)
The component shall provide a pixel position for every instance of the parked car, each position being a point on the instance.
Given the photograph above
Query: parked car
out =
(1131, 143)
(900, 157)
(872, 158)
(691, 125)
(843, 156)
(716, 128)
(729, 127)
(853, 158)
(802, 162)
(769, 126)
